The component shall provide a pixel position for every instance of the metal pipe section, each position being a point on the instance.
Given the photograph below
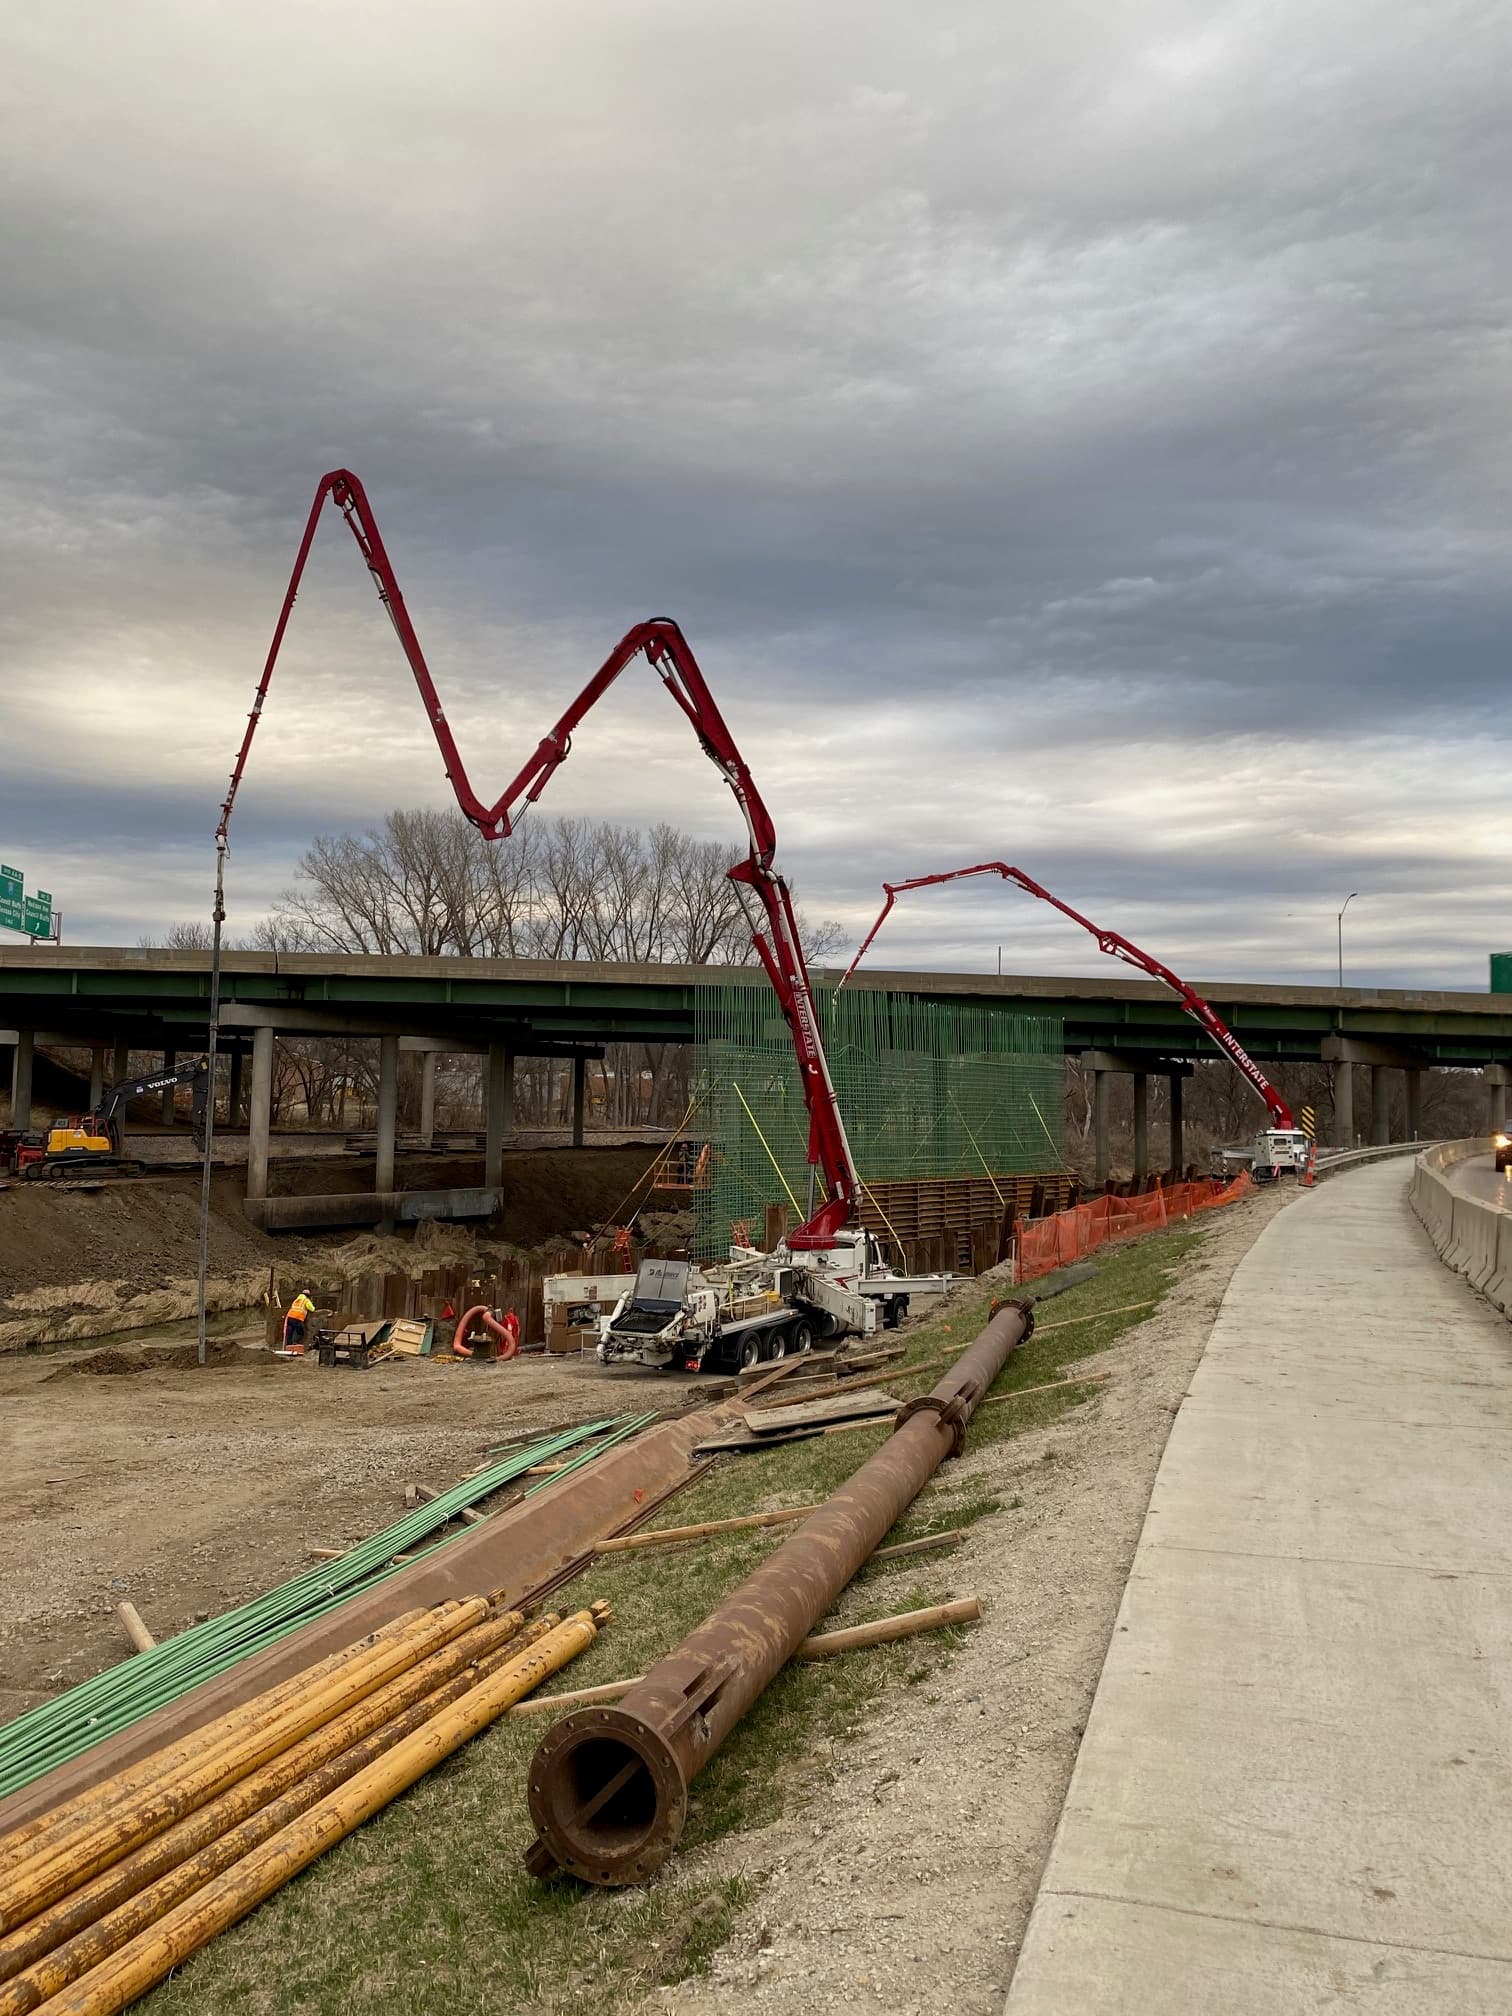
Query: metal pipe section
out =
(609, 1786)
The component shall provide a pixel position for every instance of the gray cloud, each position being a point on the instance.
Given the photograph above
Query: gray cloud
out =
(1095, 404)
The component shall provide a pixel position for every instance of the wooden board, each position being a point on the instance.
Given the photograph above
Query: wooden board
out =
(736, 1441)
(800, 1362)
(820, 1413)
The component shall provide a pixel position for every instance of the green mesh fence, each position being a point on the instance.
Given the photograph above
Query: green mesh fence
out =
(925, 1089)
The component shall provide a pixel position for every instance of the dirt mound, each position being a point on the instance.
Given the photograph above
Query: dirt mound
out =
(103, 1365)
(112, 1364)
(241, 1357)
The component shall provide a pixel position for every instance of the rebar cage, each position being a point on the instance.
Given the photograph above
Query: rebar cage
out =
(926, 1088)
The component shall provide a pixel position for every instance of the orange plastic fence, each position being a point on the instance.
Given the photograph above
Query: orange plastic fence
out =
(1048, 1243)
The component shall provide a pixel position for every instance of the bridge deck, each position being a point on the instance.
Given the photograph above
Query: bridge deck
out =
(94, 993)
(1295, 1787)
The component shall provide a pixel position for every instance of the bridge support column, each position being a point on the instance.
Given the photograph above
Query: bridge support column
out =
(170, 1058)
(388, 1121)
(428, 1097)
(1178, 1144)
(1141, 1128)
(1343, 1095)
(1497, 1077)
(579, 1073)
(21, 1078)
(1100, 1125)
(234, 1095)
(1413, 1080)
(120, 1062)
(96, 1076)
(498, 1118)
(260, 1113)
(1380, 1107)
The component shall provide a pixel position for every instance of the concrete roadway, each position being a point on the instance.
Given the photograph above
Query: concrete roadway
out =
(1477, 1177)
(1295, 1788)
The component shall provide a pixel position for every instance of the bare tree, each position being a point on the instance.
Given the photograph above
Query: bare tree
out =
(185, 936)
(428, 882)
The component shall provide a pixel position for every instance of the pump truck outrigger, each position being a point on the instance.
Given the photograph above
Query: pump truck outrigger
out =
(94, 1142)
(826, 1248)
(1283, 1145)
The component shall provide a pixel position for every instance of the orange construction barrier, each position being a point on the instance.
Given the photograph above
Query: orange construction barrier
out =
(1057, 1241)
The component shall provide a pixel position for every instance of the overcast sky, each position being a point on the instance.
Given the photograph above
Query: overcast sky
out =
(1075, 433)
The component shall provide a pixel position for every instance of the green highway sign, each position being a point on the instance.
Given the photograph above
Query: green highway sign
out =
(19, 912)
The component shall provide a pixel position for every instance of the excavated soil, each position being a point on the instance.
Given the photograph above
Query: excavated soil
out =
(114, 1364)
(77, 1263)
(192, 1492)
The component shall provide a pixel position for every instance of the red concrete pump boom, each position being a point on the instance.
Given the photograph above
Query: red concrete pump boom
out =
(1117, 947)
(668, 652)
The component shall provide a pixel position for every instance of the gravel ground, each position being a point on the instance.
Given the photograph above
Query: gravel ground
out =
(191, 1491)
(909, 1889)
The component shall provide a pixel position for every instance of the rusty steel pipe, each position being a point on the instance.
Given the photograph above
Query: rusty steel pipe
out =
(609, 1785)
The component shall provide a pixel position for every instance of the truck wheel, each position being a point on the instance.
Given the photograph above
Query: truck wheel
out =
(750, 1353)
(801, 1337)
(777, 1345)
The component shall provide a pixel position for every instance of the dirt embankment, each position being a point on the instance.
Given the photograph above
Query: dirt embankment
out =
(80, 1263)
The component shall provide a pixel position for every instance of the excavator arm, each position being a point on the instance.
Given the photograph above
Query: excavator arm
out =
(1117, 947)
(663, 645)
(195, 1072)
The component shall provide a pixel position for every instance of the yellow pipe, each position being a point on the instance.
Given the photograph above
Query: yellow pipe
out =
(125, 1809)
(226, 1898)
(96, 1843)
(65, 1962)
(80, 1908)
(161, 1763)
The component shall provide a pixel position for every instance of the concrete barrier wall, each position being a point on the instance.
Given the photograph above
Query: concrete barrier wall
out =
(1473, 1238)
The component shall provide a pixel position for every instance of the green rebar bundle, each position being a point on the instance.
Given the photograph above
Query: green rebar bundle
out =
(56, 1731)
(926, 1088)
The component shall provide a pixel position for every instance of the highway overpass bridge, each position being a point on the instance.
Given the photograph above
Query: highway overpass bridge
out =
(102, 997)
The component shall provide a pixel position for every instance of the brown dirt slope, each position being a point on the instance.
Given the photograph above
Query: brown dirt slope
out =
(141, 1233)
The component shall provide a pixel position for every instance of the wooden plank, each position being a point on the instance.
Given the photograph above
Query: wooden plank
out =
(820, 1413)
(668, 1536)
(932, 1543)
(887, 1630)
(733, 1442)
(786, 1366)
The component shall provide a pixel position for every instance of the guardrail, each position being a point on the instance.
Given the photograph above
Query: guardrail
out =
(1357, 1158)
(1472, 1237)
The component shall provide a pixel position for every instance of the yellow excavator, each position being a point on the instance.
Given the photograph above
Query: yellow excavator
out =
(95, 1141)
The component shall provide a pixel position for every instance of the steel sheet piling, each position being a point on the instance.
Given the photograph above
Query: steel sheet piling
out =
(609, 1785)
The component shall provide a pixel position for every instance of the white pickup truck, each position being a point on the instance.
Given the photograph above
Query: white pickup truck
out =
(756, 1306)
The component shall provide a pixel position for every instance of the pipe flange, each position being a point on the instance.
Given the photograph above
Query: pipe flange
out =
(952, 1414)
(1025, 1309)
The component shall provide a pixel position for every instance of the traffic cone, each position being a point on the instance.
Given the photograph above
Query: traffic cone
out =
(1309, 1174)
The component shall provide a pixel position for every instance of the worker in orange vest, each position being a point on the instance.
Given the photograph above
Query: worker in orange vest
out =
(301, 1309)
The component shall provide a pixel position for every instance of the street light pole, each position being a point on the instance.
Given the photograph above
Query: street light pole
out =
(1347, 901)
